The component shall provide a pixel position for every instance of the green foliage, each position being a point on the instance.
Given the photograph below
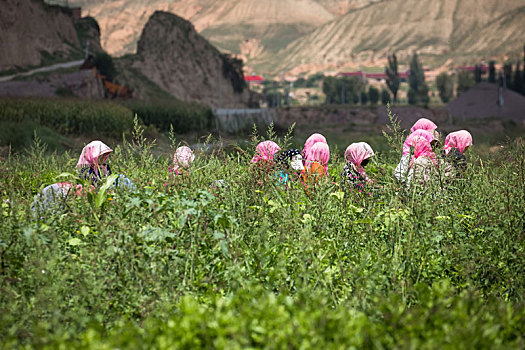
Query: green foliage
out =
(105, 66)
(445, 86)
(175, 264)
(312, 81)
(418, 90)
(492, 72)
(373, 95)
(392, 73)
(385, 97)
(518, 84)
(363, 97)
(465, 82)
(232, 69)
(67, 117)
(344, 90)
(184, 117)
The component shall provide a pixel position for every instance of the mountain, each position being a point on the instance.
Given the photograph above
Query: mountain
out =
(457, 29)
(179, 61)
(33, 33)
(225, 23)
(279, 36)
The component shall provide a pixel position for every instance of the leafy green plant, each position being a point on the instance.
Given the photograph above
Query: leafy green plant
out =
(178, 263)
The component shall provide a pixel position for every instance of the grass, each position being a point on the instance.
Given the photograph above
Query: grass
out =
(175, 264)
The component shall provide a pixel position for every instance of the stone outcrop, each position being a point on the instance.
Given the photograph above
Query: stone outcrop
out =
(172, 55)
(33, 33)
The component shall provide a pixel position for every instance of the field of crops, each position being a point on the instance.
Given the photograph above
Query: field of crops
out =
(175, 264)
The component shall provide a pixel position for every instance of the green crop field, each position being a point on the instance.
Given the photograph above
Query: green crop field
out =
(174, 264)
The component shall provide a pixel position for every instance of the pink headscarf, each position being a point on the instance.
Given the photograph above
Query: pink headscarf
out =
(422, 148)
(356, 153)
(313, 139)
(410, 139)
(265, 151)
(91, 154)
(182, 158)
(319, 152)
(425, 124)
(458, 139)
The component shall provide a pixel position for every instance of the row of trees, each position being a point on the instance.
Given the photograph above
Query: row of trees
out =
(352, 90)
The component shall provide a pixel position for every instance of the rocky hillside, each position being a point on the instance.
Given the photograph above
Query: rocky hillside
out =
(33, 34)
(276, 36)
(226, 24)
(174, 57)
(456, 29)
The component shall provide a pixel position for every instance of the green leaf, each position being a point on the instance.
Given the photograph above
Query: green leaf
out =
(74, 241)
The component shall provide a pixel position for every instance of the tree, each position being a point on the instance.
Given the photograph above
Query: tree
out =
(105, 66)
(330, 90)
(445, 86)
(507, 75)
(517, 82)
(477, 73)
(416, 81)
(392, 76)
(364, 97)
(373, 95)
(492, 72)
(385, 97)
(465, 82)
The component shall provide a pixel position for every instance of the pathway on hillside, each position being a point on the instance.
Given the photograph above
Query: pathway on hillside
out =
(43, 69)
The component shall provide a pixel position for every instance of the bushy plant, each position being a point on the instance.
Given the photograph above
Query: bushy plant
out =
(69, 116)
(184, 117)
(179, 264)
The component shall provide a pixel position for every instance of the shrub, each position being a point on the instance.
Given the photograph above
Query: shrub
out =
(69, 116)
(183, 116)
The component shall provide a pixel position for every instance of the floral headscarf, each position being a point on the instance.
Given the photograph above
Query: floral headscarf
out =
(265, 151)
(422, 148)
(90, 156)
(182, 158)
(410, 139)
(320, 153)
(313, 139)
(291, 157)
(425, 124)
(356, 153)
(461, 140)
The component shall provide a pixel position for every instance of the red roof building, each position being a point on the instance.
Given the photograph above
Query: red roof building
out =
(256, 79)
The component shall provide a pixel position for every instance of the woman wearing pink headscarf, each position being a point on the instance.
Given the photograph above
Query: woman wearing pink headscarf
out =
(425, 124)
(263, 160)
(93, 165)
(93, 161)
(423, 162)
(265, 151)
(456, 143)
(182, 159)
(353, 175)
(316, 164)
(403, 167)
(313, 139)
